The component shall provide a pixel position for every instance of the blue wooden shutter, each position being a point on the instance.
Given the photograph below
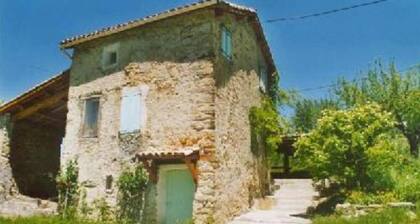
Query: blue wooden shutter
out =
(228, 43)
(224, 40)
(133, 109)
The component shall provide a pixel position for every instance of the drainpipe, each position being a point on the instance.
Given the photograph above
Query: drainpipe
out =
(66, 53)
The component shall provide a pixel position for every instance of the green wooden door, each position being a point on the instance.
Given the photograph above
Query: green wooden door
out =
(179, 196)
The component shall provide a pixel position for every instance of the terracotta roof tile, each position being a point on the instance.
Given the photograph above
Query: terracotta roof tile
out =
(182, 153)
(72, 41)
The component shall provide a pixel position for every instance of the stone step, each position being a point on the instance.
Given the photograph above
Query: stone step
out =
(287, 205)
(27, 206)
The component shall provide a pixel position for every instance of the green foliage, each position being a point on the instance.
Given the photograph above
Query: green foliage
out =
(68, 190)
(407, 180)
(397, 216)
(360, 197)
(105, 214)
(132, 185)
(308, 111)
(395, 93)
(47, 220)
(266, 129)
(344, 147)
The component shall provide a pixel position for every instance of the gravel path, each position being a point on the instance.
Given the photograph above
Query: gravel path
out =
(289, 204)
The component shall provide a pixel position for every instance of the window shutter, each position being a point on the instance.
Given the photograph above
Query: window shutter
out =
(91, 115)
(228, 43)
(133, 109)
(223, 40)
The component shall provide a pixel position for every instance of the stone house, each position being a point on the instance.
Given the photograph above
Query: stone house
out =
(171, 91)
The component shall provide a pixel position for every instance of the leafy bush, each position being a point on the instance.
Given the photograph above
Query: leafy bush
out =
(408, 181)
(132, 185)
(47, 220)
(68, 190)
(266, 129)
(400, 216)
(344, 147)
(105, 214)
(359, 197)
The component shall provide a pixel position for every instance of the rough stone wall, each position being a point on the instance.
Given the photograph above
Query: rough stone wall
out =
(7, 184)
(196, 98)
(180, 114)
(184, 38)
(35, 159)
(241, 175)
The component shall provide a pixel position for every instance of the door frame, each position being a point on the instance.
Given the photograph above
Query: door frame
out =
(161, 188)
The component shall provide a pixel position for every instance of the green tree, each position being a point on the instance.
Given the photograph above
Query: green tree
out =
(394, 92)
(308, 111)
(348, 146)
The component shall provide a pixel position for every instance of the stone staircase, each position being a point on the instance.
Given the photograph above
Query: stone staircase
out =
(288, 205)
(24, 206)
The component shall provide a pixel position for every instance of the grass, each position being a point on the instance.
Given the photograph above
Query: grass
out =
(46, 220)
(388, 216)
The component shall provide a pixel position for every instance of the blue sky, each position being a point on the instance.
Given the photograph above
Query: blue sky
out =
(309, 53)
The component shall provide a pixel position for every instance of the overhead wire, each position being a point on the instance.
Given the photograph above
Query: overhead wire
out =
(323, 13)
(355, 79)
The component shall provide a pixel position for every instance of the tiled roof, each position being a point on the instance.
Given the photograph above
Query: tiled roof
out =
(72, 41)
(182, 153)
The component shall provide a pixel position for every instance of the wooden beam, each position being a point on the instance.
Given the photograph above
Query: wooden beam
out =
(192, 166)
(63, 106)
(36, 122)
(151, 168)
(48, 118)
(41, 104)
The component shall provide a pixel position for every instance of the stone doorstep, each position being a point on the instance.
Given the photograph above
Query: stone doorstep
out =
(26, 206)
(265, 203)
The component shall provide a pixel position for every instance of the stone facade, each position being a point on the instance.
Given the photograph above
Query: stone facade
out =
(241, 175)
(7, 184)
(196, 98)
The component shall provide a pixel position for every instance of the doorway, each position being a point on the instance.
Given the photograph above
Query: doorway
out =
(175, 194)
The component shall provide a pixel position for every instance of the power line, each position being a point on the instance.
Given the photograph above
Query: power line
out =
(324, 12)
(355, 79)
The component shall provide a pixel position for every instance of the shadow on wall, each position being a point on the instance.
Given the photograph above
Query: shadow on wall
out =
(35, 159)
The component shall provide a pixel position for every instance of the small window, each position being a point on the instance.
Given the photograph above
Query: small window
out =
(110, 56)
(108, 182)
(90, 126)
(226, 42)
(263, 79)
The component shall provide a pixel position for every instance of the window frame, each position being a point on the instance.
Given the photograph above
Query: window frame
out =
(107, 51)
(226, 45)
(85, 133)
(129, 95)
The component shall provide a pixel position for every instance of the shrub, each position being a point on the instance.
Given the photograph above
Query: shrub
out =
(68, 190)
(47, 220)
(344, 147)
(359, 197)
(132, 185)
(105, 214)
(266, 129)
(408, 181)
(400, 216)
